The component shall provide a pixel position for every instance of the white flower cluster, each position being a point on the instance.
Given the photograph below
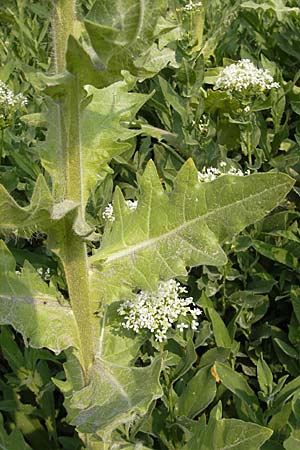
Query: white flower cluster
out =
(158, 311)
(9, 104)
(108, 213)
(191, 6)
(244, 76)
(44, 273)
(211, 173)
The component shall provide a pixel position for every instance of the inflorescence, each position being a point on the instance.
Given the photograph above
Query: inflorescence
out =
(10, 103)
(211, 173)
(158, 311)
(243, 76)
(108, 213)
(192, 6)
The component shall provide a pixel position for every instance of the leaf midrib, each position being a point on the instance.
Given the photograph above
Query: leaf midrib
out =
(149, 242)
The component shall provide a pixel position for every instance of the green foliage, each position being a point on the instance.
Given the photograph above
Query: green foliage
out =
(128, 110)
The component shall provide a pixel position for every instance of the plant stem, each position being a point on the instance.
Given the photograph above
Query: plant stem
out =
(63, 20)
(73, 250)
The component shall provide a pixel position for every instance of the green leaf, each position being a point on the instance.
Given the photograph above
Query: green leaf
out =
(37, 216)
(122, 34)
(119, 400)
(264, 376)
(233, 433)
(105, 132)
(105, 128)
(228, 434)
(33, 308)
(238, 385)
(12, 441)
(293, 441)
(276, 254)
(198, 394)
(170, 231)
(186, 361)
(221, 333)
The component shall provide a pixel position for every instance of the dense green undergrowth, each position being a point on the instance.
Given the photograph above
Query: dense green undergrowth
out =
(232, 378)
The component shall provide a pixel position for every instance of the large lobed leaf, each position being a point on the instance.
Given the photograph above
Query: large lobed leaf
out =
(33, 308)
(104, 131)
(186, 227)
(111, 397)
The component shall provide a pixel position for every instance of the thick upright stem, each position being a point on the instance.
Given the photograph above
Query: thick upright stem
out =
(73, 249)
(64, 15)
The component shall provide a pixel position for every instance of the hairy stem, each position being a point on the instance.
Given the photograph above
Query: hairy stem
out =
(63, 20)
(73, 250)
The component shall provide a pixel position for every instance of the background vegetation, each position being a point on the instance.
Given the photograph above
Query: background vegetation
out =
(252, 304)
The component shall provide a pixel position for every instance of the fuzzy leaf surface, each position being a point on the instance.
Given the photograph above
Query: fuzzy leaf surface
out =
(169, 231)
(33, 308)
(111, 397)
(38, 215)
(104, 132)
(122, 33)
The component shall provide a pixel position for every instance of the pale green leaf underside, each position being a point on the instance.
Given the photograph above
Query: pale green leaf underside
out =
(33, 308)
(169, 232)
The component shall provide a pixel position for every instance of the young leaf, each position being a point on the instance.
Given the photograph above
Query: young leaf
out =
(170, 231)
(264, 376)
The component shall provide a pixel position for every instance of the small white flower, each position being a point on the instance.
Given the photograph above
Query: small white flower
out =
(158, 311)
(192, 6)
(211, 173)
(10, 103)
(108, 213)
(244, 77)
(181, 326)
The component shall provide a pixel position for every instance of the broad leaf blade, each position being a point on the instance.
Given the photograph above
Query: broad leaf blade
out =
(235, 434)
(119, 400)
(198, 394)
(33, 308)
(122, 33)
(168, 232)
